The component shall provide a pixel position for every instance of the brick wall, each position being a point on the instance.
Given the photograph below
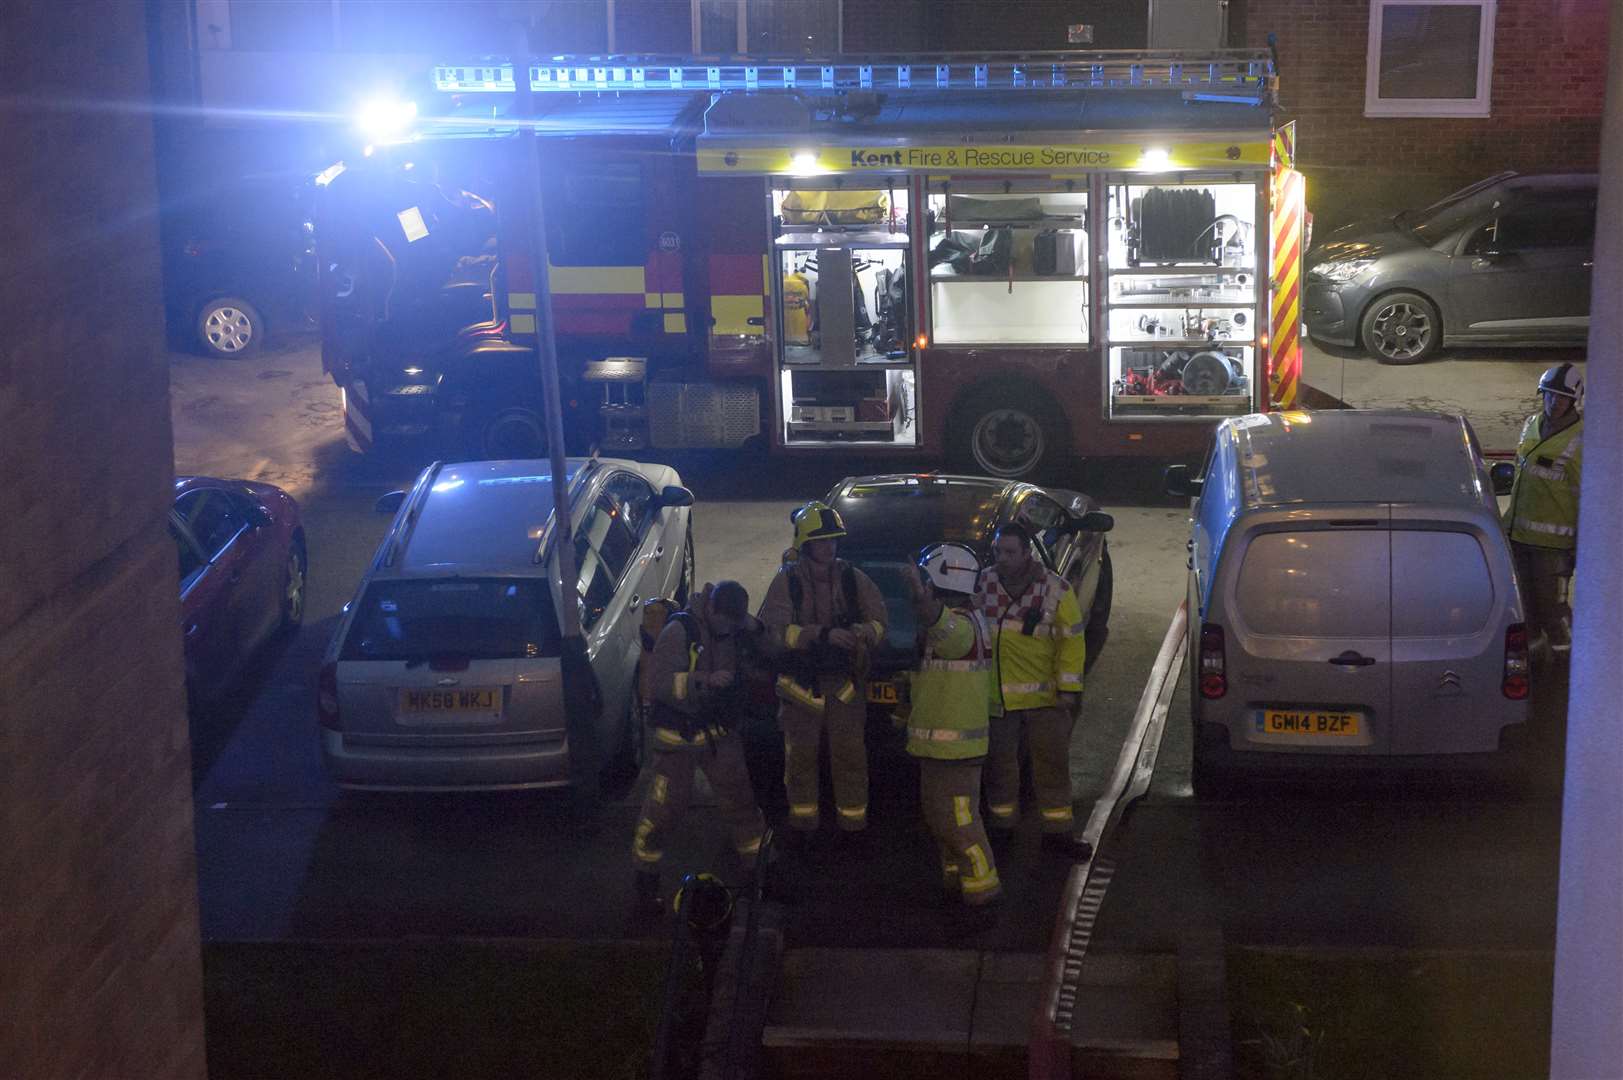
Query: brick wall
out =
(101, 975)
(1549, 74)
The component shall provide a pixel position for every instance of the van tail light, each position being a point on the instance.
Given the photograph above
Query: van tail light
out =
(1515, 681)
(1214, 682)
(327, 697)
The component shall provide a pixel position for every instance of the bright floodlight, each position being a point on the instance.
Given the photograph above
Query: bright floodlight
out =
(1154, 157)
(804, 163)
(385, 118)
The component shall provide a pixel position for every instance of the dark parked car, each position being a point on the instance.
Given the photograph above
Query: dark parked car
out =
(245, 266)
(1505, 261)
(889, 518)
(242, 574)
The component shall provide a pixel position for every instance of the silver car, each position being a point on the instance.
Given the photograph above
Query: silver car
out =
(1352, 599)
(1506, 261)
(445, 672)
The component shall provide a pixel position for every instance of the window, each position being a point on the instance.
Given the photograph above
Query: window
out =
(1316, 584)
(1529, 228)
(211, 518)
(1442, 583)
(1043, 516)
(1429, 59)
(492, 619)
(632, 495)
(603, 548)
(191, 560)
(596, 217)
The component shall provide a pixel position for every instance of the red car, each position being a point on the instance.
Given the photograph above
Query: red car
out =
(242, 574)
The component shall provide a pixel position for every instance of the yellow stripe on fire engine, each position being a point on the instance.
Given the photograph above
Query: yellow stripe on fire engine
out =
(521, 301)
(1242, 150)
(521, 323)
(669, 300)
(676, 323)
(588, 280)
(732, 314)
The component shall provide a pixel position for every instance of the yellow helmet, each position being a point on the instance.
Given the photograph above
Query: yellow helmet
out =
(817, 521)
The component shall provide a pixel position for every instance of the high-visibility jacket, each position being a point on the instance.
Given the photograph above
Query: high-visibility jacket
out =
(1543, 508)
(1037, 643)
(952, 690)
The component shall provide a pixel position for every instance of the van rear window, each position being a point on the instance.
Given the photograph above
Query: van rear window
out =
(1441, 586)
(480, 619)
(1316, 584)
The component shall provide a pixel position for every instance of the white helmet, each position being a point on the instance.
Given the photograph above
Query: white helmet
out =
(952, 567)
(1563, 379)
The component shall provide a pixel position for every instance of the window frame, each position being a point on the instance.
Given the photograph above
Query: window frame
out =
(1478, 106)
(643, 523)
(187, 521)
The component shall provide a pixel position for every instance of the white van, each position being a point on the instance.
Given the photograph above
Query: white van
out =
(1352, 596)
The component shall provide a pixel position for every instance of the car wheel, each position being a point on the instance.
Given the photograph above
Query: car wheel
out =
(1401, 328)
(684, 586)
(295, 587)
(1008, 436)
(514, 432)
(1098, 628)
(620, 772)
(229, 326)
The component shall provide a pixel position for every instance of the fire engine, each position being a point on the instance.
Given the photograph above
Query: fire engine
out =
(1004, 261)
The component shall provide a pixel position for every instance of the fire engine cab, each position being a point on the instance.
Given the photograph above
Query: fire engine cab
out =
(1001, 261)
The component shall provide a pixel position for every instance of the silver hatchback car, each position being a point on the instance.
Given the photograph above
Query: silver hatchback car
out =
(445, 670)
(1352, 600)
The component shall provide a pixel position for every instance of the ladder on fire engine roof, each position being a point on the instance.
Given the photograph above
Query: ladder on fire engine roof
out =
(1226, 74)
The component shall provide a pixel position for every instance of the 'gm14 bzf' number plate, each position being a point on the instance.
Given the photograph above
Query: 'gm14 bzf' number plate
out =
(1310, 722)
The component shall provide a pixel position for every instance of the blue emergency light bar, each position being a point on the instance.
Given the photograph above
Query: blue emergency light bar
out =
(1233, 70)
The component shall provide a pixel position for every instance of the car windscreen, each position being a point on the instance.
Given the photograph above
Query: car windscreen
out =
(1316, 584)
(1441, 586)
(1442, 218)
(480, 619)
(890, 575)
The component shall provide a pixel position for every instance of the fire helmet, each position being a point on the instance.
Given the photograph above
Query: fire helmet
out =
(1563, 379)
(817, 521)
(950, 567)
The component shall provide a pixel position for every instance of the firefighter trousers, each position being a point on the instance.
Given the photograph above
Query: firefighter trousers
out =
(950, 792)
(846, 723)
(1047, 733)
(1544, 573)
(670, 790)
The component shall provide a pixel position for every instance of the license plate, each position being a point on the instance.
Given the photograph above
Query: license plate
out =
(450, 701)
(1311, 722)
(882, 693)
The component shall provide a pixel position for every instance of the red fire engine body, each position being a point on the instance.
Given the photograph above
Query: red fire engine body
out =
(998, 261)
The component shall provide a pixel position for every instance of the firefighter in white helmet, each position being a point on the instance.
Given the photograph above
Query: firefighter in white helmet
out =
(1542, 517)
(947, 723)
(823, 614)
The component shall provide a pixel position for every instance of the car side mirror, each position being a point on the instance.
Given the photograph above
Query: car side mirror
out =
(388, 504)
(1094, 521)
(259, 517)
(673, 495)
(1179, 481)
(1504, 477)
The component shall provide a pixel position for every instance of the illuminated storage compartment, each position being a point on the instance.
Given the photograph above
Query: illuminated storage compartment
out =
(845, 315)
(1182, 299)
(1008, 263)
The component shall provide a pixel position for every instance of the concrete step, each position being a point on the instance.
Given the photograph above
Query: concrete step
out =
(906, 1013)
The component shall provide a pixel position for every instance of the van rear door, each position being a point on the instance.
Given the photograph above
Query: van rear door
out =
(1309, 652)
(1450, 595)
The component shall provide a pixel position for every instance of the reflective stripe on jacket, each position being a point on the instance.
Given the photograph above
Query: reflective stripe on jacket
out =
(1543, 508)
(952, 690)
(1033, 669)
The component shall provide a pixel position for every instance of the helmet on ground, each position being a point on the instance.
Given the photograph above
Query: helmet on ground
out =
(952, 567)
(1563, 379)
(817, 521)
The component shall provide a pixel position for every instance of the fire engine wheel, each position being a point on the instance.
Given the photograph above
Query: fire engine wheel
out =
(514, 432)
(229, 326)
(1401, 328)
(1009, 436)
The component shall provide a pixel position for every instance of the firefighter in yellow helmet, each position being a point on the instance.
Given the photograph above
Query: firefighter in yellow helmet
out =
(948, 727)
(1036, 627)
(1543, 513)
(823, 615)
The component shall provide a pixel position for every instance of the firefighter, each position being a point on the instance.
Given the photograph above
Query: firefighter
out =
(1543, 514)
(823, 615)
(1035, 624)
(695, 679)
(947, 723)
